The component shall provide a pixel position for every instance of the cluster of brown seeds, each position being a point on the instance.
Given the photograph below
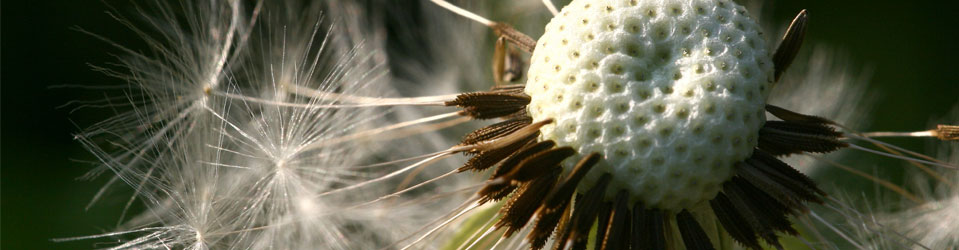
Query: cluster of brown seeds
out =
(753, 205)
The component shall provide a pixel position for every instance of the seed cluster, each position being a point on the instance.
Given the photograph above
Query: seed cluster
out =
(670, 92)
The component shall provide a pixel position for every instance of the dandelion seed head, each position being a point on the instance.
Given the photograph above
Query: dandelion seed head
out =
(670, 92)
(281, 136)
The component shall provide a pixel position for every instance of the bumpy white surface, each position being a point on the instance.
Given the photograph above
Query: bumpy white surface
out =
(671, 92)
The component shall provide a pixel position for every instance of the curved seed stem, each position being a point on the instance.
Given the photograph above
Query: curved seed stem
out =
(550, 7)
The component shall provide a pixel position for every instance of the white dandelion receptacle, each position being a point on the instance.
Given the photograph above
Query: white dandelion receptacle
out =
(670, 92)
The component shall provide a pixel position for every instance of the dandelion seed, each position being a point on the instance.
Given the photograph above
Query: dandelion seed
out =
(933, 224)
(168, 87)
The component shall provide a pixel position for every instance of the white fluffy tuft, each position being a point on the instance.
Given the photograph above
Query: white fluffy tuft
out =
(223, 148)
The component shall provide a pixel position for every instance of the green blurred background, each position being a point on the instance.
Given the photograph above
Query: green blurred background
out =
(911, 47)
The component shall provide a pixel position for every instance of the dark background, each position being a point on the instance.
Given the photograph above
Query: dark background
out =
(911, 47)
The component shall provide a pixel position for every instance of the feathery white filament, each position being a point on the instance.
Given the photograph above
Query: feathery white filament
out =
(549, 6)
(464, 13)
(323, 95)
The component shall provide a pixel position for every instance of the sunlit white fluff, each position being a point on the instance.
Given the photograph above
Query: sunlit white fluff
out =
(933, 224)
(165, 86)
(922, 213)
(889, 221)
(225, 152)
